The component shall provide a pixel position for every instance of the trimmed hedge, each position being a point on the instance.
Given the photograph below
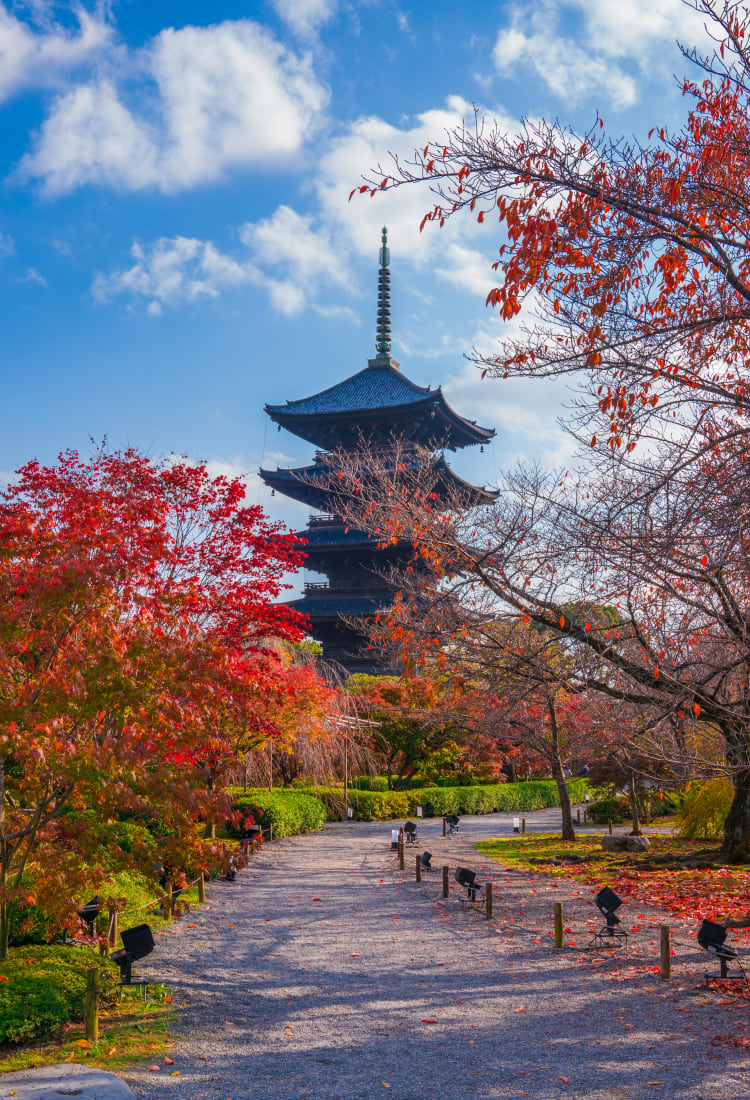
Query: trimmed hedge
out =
(290, 812)
(538, 794)
(615, 809)
(41, 988)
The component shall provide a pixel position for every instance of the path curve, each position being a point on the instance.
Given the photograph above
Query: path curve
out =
(325, 973)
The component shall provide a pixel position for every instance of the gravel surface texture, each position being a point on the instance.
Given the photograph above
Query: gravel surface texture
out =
(325, 972)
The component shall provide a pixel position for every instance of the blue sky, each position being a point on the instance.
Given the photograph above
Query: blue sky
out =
(176, 245)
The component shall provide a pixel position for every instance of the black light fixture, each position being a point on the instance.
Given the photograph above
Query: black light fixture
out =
(468, 879)
(137, 943)
(453, 823)
(426, 861)
(89, 912)
(607, 902)
(711, 938)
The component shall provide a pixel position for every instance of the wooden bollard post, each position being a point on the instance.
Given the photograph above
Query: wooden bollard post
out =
(558, 924)
(93, 977)
(585, 816)
(112, 930)
(401, 862)
(201, 888)
(665, 950)
(610, 827)
(488, 901)
(523, 826)
(246, 849)
(418, 870)
(445, 826)
(578, 816)
(167, 905)
(270, 831)
(446, 886)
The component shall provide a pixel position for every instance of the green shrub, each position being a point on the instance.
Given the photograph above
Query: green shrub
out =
(615, 809)
(290, 812)
(30, 923)
(705, 809)
(370, 783)
(537, 794)
(41, 988)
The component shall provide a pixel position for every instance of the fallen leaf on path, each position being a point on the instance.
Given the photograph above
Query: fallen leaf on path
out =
(168, 1061)
(565, 1079)
(153, 1069)
(84, 1043)
(429, 1021)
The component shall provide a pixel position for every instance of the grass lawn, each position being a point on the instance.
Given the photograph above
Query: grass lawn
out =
(686, 878)
(127, 1033)
(130, 1031)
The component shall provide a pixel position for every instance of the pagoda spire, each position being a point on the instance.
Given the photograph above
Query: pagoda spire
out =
(383, 330)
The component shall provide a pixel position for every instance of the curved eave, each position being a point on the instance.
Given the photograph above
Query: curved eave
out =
(471, 495)
(335, 538)
(438, 420)
(334, 607)
(293, 483)
(299, 484)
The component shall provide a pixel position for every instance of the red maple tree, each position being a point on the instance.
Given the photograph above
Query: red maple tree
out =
(138, 601)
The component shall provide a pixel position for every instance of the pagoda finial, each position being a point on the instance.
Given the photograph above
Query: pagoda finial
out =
(383, 331)
(383, 341)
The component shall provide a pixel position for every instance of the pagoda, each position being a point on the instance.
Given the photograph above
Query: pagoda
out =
(376, 406)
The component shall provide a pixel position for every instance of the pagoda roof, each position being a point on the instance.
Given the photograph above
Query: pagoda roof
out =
(333, 606)
(378, 397)
(329, 536)
(311, 484)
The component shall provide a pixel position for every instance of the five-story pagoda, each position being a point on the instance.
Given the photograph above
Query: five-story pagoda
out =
(375, 406)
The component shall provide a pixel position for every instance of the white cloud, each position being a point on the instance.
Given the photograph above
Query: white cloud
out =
(7, 247)
(364, 144)
(224, 96)
(90, 137)
(467, 269)
(580, 61)
(338, 313)
(305, 256)
(174, 271)
(297, 257)
(291, 239)
(33, 276)
(305, 17)
(523, 411)
(34, 57)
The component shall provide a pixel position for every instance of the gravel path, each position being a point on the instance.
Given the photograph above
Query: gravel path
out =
(324, 972)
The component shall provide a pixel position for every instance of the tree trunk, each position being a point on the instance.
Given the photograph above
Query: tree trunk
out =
(636, 830)
(4, 869)
(568, 831)
(737, 825)
(4, 929)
